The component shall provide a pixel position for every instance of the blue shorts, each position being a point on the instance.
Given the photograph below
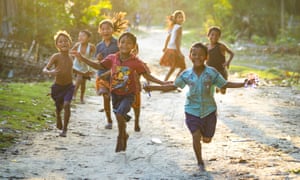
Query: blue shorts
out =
(206, 125)
(122, 103)
(61, 94)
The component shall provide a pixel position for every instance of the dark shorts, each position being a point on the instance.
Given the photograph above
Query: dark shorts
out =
(61, 94)
(122, 103)
(206, 125)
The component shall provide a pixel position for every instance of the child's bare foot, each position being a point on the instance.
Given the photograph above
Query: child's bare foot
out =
(137, 128)
(59, 123)
(63, 134)
(108, 126)
(201, 167)
(125, 142)
(119, 144)
(82, 101)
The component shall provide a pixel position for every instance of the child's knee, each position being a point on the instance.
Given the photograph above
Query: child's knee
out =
(206, 139)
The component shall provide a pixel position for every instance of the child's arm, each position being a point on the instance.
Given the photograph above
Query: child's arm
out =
(151, 78)
(239, 85)
(94, 64)
(47, 69)
(178, 40)
(164, 88)
(231, 55)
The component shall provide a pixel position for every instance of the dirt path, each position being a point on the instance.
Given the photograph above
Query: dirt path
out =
(257, 137)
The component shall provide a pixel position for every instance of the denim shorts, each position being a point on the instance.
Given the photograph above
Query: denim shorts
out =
(122, 103)
(206, 125)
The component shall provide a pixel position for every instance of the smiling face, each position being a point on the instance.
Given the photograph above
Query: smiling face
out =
(106, 31)
(126, 45)
(179, 19)
(198, 56)
(83, 37)
(63, 44)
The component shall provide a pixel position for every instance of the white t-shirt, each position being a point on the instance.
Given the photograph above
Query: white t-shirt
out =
(172, 44)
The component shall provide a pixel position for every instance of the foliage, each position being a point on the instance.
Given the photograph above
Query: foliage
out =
(24, 107)
(40, 19)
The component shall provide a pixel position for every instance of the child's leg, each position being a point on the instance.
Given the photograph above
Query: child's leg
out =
(107, 109)
(67, 114)
(137, 111)
(78, 81)
(197, 146)
(58, 117)
(225, 75)
(121, 143)
(179, 72)
(172, 69)
(82, 90)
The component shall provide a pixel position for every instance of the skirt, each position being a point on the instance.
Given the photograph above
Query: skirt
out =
(171, 58)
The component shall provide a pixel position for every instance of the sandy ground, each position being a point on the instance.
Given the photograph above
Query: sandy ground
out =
(257, 137)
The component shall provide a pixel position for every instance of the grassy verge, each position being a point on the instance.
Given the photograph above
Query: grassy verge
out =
(24, 107)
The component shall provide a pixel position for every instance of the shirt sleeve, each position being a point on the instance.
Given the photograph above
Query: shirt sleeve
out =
(180, 82)
(141, 67)
(219, 81)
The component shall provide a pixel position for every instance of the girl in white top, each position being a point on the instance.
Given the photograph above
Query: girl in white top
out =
(173, 56)
(82, 71)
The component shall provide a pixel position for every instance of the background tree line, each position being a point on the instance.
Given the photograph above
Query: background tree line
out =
(260, 21)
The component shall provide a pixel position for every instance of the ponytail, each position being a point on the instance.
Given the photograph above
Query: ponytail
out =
(118, 22)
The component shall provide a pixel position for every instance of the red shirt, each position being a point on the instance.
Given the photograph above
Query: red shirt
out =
(123, 73)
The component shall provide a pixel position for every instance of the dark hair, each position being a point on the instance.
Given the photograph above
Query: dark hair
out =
(118, 22)
(214, 28)
(129, 35)
(62, 33)
(87, 32)
(171, 19)
(199, 45)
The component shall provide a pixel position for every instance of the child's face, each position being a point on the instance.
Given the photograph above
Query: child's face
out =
(106, 31)
(63, 44)
(198, 57)
(214, 36)
(83, 37)
(126, 45)
(179, 19)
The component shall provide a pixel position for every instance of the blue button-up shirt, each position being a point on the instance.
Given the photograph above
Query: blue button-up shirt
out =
(101, 47)
(200, 100)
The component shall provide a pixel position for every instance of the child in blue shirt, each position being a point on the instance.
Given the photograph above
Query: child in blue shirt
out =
(200, 106)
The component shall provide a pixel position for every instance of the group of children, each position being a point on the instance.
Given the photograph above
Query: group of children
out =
(118, 59)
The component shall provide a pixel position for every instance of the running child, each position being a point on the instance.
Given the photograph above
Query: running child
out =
(200, 106)
(88, 50)
(62, 90)
(173, 56)
(217, 54)
(124, 67)
(136, 105)
(108, 45)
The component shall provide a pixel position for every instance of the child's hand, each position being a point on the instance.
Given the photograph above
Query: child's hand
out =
(99, 57)
(226, 64)
(76, 54)
(252, 80)
(53, 72)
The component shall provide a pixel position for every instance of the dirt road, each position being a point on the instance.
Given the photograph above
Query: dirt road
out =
(257, 137)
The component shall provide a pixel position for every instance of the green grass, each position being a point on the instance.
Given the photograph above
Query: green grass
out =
(24, 107)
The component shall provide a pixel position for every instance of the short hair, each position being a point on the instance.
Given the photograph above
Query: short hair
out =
(106, 21)
(214, 28)
(62, 33)
(129, 35)
(199, 45)
(87, 32)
